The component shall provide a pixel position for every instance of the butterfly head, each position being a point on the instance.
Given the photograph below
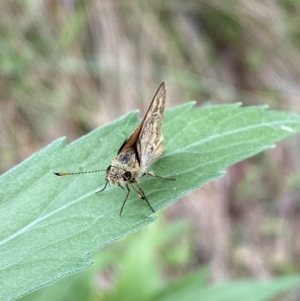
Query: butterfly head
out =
(117, 175)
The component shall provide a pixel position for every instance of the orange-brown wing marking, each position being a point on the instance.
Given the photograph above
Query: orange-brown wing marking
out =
(129, 143)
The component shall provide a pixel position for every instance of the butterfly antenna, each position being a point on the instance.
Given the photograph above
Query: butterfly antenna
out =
(62, 174)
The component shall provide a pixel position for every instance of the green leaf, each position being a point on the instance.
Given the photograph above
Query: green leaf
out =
(193, 288)
(138, 281)
(249, 290)
(76, 287)
(191, 285)
(50, 225)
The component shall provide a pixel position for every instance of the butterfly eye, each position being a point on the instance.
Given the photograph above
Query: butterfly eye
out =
(127, 175)
(108, 168)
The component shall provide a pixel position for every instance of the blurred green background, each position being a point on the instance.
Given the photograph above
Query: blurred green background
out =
(69, 66)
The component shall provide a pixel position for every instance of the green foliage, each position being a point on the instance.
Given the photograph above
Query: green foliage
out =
(247, 290)
(137, 274)
(50, 225)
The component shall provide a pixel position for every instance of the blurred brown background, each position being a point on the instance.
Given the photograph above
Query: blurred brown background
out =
(70, 66)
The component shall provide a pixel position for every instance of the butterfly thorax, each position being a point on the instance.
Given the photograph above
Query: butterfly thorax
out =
(123, 169)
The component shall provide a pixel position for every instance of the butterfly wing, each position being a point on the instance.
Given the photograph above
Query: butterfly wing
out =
(146, 140)
(149, 145)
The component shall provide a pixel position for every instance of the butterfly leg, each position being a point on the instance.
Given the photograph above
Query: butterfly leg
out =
(142, 195)
(154, 176)
(128, 191)
(102, 188)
